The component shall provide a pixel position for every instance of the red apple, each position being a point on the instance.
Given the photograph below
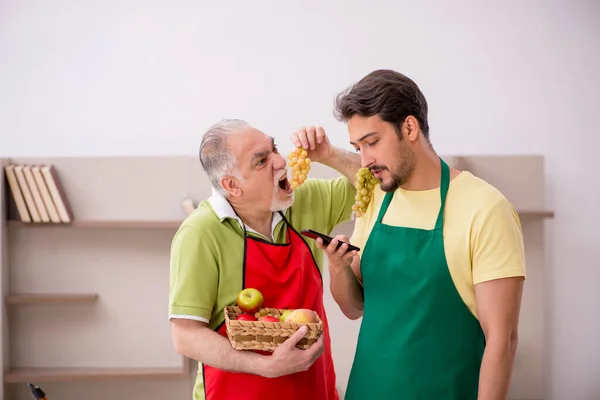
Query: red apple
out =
(246, 317)
(268, 318)
(250, 300)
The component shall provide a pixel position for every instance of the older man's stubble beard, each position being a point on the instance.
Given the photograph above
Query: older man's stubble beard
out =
(278, 204)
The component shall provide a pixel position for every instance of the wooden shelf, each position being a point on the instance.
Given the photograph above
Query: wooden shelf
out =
(102, 224)
(535, 214)
(19, 299)
(23, 375)
(154, 188)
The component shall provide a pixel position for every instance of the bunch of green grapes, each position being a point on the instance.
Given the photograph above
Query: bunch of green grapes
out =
(300, 163)
(365, 184)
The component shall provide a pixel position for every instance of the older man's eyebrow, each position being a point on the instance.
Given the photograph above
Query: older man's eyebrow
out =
(263, 153)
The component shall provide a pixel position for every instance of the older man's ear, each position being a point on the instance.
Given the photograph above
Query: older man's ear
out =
(231, 186)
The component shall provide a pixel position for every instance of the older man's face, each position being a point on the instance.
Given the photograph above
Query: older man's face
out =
(263, 169)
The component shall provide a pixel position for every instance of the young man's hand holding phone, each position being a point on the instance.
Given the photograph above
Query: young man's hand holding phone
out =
(338, 249)
(325, 240)
(346, 283)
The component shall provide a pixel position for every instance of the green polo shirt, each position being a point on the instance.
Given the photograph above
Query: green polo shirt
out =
(208, 249)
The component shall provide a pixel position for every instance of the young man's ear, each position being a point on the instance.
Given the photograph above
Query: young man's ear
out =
(410, 129)
(231, 185)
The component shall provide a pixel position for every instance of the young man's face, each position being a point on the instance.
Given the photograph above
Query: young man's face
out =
(390, 159)
(263, 170)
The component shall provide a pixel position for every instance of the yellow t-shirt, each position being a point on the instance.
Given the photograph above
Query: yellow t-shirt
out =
(482, 231)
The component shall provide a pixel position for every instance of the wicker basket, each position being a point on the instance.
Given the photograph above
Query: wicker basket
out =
(266, 336)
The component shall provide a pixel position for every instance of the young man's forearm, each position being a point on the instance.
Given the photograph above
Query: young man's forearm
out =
(345, 162)
(347, 292)
(202, 344)
(496, 369)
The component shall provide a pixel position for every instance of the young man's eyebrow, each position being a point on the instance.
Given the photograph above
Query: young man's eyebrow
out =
(363, 137)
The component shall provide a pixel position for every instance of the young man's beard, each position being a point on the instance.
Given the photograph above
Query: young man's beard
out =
(403, 171)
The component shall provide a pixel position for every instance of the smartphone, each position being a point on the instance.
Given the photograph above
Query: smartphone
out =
(326, 239)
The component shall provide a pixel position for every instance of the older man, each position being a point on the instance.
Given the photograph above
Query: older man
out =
(247, 235)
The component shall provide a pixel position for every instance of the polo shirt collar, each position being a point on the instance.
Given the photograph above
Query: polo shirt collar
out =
(224, 210)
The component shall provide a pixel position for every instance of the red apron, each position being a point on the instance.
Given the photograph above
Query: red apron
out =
(288, 277)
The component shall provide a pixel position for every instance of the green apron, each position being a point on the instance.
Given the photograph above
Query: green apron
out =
(418, 339)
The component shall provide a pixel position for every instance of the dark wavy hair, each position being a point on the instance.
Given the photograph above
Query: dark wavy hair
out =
(387, 93)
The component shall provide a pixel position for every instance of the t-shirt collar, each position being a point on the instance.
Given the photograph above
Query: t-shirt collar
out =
(224, 210)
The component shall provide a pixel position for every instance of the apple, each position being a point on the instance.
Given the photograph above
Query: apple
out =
(284, 315)
(250, 300)
(302, 316)
(246, 317)
(268, 318)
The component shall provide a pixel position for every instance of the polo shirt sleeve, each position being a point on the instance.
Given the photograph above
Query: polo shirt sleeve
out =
(327, 202)
(193, 276)
(497, 243)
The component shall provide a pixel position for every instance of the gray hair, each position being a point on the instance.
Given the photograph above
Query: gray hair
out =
(215, 156)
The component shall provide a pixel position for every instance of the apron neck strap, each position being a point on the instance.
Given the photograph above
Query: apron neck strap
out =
(444, 184)
(384, 206)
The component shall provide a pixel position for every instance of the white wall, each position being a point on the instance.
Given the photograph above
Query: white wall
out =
(146, 77)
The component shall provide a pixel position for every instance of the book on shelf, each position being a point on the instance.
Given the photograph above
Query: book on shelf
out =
(37, 194)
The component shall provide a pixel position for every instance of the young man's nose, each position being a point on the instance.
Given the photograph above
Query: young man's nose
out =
(366, 160)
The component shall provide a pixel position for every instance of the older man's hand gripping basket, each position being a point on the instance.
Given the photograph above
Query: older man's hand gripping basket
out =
(250, 326)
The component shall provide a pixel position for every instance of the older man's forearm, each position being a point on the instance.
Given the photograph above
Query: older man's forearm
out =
(196, 341)
(347, 163)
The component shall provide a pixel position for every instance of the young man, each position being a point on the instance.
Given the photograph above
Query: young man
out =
(247, 235)
(439, 278)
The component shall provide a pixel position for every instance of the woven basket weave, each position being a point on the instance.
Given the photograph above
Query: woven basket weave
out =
(266, 336)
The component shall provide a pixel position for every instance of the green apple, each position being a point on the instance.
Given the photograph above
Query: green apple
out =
(284, 315)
